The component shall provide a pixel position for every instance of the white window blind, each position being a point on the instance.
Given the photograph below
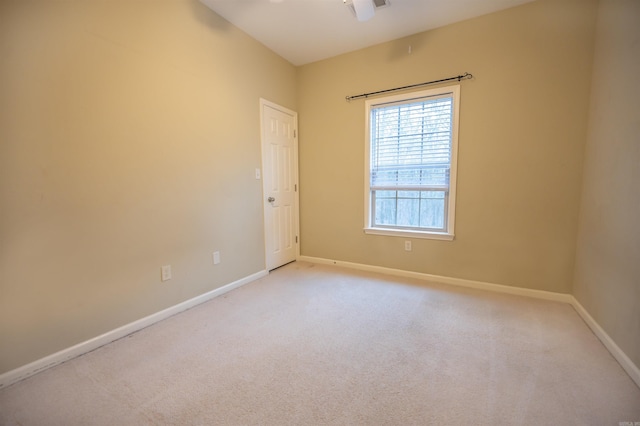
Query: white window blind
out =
(411, 145)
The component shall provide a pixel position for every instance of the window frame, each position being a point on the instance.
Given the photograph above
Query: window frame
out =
(450, 203)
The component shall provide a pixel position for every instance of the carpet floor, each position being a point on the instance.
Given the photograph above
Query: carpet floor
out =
(321, 345)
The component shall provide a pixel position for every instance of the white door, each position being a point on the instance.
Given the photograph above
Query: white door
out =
(280, 183)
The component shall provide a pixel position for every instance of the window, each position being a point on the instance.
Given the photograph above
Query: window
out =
(410, 164)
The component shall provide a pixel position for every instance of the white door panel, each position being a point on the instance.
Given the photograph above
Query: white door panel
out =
(279, 154)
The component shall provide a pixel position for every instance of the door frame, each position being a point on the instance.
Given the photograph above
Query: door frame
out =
(296, 207)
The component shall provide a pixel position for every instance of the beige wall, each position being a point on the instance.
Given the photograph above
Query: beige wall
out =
(523, 125)
(607, 274)
(129, 135)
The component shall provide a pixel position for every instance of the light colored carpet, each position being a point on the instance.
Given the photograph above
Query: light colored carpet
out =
(314, 345)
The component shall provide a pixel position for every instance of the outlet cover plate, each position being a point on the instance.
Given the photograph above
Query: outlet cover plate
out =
(165, 272)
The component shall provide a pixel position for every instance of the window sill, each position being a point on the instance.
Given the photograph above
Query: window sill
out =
(410, 234)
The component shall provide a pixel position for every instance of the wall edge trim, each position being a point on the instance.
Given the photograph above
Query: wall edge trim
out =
(28, 370)
(625, 362)
(459, 282)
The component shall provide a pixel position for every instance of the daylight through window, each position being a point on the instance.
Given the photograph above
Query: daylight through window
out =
(412, 145)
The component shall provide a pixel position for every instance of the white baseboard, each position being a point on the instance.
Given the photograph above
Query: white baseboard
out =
(30, 369)
(607, 341)
(460, 282)
(625, 362)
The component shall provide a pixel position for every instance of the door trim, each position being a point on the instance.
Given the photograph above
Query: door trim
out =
(296, 208)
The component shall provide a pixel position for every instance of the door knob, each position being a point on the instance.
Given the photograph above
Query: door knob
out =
(271, 199)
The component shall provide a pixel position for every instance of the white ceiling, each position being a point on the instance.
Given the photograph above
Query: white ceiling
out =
(304, 31)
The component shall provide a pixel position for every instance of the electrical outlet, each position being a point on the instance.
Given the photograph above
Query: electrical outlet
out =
(407, 245)
(216, 257)
(166, 272)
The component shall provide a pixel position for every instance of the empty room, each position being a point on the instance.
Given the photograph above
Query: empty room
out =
(308, 212)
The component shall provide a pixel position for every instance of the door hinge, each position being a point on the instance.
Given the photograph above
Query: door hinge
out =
(295, 187)
(295, 133)
(296, 239)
